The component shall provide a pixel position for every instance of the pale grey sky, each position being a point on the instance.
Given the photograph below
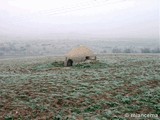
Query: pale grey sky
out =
(33, 19)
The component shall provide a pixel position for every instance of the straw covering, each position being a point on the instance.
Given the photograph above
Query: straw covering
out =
(80, 52)
(78, 55)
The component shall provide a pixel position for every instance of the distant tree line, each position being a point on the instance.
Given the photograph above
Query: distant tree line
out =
(148, 50)
(127, 50)
(131, 50)
(8, 48)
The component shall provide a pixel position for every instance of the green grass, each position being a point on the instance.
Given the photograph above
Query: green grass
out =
(107, 89)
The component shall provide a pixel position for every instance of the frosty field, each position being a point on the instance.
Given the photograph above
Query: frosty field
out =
(41, 88)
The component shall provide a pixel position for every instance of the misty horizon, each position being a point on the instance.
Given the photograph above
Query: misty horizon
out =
(34, 20)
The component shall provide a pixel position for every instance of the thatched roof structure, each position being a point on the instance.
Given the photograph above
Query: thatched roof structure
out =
(80, 51)
(79, 54)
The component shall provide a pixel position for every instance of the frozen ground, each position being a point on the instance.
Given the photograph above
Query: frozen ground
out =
(41, 88)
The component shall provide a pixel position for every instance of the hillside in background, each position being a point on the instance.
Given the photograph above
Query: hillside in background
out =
(60, 47)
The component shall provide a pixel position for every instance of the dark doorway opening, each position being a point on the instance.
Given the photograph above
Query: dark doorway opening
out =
(69, 62)
(87, 57)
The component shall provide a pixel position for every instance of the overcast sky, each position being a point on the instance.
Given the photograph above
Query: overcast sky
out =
(33, 19)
